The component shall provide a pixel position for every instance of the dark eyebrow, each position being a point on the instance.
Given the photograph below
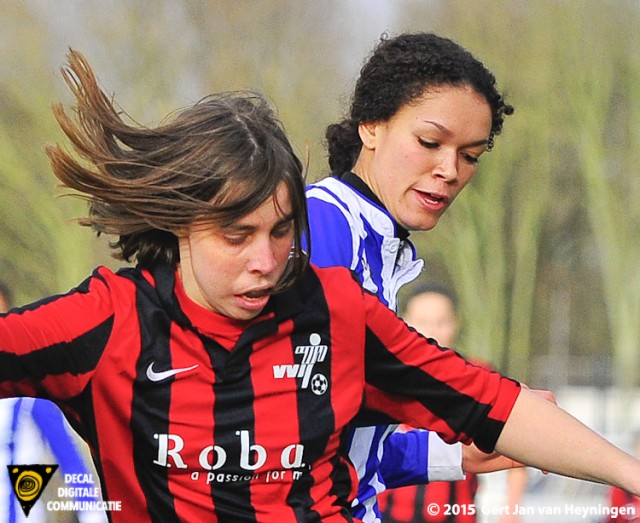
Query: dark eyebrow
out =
(443, 129)
(235, 227)
(288, 218)
(238, 227)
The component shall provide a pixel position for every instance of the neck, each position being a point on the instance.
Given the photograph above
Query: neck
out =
(361, 170)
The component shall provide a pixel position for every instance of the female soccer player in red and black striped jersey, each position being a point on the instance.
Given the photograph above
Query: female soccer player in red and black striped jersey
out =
(214, 380)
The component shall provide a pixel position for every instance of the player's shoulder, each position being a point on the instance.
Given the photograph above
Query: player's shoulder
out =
(126, 281)
(337, 276)
(332, 190)
(331, 184)
(118, 277)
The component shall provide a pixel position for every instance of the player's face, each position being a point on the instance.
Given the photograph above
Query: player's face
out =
(420, 159)
(232, 270)
(432, 314)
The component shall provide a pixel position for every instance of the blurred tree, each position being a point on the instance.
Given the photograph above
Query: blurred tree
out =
(602, 98)
(39, 253)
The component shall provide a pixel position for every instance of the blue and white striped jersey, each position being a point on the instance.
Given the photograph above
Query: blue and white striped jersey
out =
(350, 227)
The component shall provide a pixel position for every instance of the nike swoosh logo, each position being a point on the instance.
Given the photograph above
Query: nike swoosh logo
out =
(163, 375)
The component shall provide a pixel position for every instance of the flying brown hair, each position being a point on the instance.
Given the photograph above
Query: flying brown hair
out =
(216, 160)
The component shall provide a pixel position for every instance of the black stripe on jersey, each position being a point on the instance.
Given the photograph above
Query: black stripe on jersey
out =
(233, 411)
(316, 419)
(488, 434)
(341, 478)
(151, 402)
(238, 359)
(60, 358)
(233, 388)
(463, 413)
(87, 429)
(82, 288)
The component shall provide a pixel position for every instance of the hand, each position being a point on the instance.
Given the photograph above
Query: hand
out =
(476, 461)
(546, 394)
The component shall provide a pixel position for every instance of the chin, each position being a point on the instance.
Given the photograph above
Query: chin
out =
(420, 226)
(419, 221)
(246, 315)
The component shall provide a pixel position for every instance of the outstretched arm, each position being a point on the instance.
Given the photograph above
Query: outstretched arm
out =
(542, 435)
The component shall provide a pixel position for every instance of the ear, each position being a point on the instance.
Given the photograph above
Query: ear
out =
(368, 132)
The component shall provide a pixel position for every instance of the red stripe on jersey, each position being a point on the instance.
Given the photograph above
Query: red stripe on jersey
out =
(40, 331)
(54, 321)
(276, 422)
(191, 423)
(323, 490)
(398, 407)
(112, 400)
(24, 387)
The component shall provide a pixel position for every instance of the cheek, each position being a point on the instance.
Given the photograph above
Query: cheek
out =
(282, 249)
(406, 152)
(411, 166)
(211, 264)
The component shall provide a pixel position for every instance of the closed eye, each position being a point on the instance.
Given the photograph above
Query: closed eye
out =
(283, 229)
(427, 144)
(236, 239)
(469, 158)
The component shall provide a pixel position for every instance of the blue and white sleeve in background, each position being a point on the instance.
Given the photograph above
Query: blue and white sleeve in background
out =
(418, 457)
(331, 236)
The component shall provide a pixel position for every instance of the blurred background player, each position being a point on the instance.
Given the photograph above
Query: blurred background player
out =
(431, 309)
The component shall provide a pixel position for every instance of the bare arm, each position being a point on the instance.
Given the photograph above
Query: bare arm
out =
(477, 461)
(542, 435)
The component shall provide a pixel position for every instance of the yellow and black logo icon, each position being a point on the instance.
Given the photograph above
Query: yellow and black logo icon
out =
(28, 483)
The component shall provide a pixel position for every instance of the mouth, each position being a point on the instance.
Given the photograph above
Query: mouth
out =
(254, 300)
(434, 200)
(257, 293)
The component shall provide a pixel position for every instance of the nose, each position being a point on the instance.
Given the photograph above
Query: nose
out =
(262, 258)
(447, 166)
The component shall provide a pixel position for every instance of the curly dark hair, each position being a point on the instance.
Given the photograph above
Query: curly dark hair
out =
(399, 71)
(216, 160)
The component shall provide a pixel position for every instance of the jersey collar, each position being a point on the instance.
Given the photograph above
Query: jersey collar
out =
(357, 183)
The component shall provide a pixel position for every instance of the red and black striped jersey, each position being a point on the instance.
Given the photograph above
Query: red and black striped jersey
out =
(194, 417)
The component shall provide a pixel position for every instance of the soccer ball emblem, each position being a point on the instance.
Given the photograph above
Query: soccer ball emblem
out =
(319, 384)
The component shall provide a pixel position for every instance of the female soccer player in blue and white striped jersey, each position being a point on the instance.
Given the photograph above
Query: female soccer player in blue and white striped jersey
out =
(423, 112)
